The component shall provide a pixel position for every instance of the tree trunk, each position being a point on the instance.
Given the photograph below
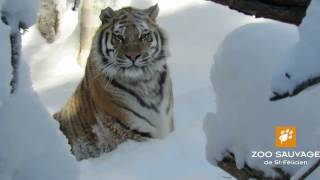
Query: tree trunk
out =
(49, 18)
(89, 23)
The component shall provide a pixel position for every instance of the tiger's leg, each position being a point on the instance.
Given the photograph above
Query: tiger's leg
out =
(82, 140)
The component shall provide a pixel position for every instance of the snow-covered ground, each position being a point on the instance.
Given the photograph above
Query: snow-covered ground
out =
(195, 29)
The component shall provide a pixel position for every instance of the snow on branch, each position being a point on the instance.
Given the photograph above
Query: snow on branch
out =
(15, 39)
(297, 89)
(301, 68)
(19, 15)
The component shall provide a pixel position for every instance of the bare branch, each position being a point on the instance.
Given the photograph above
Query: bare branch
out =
(228, 164)
(15, 42)
(304, 172)
(76, 5)
(15, 39)
(299, 88)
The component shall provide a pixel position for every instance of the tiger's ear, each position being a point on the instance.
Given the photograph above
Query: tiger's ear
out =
(152, 11)
(106, 14)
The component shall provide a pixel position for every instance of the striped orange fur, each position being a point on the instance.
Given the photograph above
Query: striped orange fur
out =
(126, 92)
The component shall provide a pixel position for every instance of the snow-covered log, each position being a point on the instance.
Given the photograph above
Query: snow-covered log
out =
(289, 11)
(301, 68)
(245, 119)
(228, 163)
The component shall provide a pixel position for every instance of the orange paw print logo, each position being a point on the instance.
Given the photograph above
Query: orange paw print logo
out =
(285, 136)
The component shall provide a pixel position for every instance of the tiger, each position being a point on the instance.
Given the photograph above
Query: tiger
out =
(126, 92)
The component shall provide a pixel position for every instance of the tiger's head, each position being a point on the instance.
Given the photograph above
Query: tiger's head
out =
(130, 44)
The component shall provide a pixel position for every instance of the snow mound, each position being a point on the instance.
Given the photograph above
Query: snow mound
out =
(32, 146)
(301, 68)
(245, 119)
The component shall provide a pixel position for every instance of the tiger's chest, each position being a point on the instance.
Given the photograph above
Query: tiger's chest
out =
(148, 105)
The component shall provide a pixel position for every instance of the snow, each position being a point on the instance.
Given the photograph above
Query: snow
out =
(302, 63)
(245, 120)
(181, 155)
(32, 147)
(241, 75)
(18, 11)
(12, 12)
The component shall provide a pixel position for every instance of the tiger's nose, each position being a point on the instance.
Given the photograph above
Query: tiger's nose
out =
(132, 55)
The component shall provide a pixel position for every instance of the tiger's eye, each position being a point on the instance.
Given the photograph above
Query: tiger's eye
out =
(146, 37)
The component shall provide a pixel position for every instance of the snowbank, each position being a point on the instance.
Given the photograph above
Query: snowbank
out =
(245, 119)
(55, 74)
(32, 147)
(303, 62)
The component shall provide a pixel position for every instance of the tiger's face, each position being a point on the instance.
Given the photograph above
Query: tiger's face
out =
(131, 45)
